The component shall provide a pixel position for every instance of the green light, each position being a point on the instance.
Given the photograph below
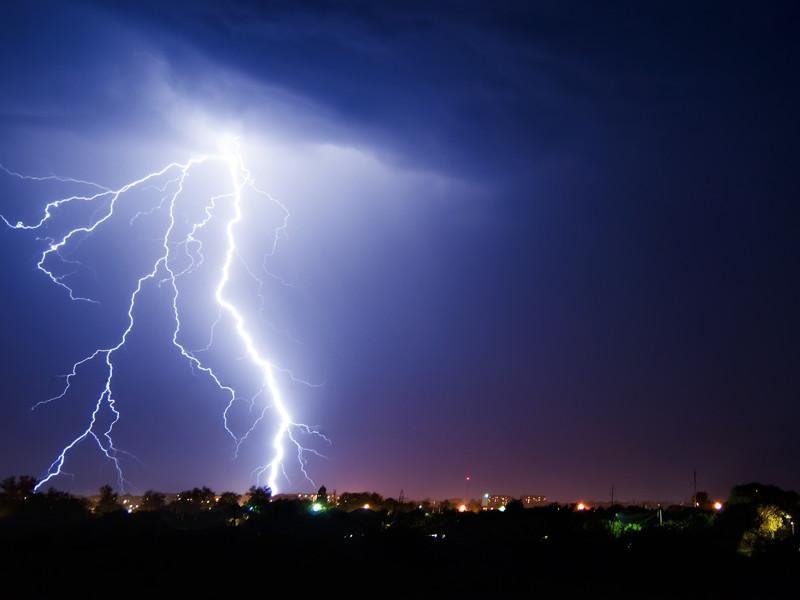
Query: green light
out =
(317, 507)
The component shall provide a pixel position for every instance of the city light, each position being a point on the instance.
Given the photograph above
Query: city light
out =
(717, 505)
(502, 509)
(581, 506)
(365, 507)
(316, 507)
(462, 508)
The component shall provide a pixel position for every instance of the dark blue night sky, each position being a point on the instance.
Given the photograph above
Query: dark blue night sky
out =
(551, 245)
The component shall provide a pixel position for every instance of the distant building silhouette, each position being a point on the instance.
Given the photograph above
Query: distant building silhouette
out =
(493, 501)
(333, 499)
(496, 501)
(530, 500)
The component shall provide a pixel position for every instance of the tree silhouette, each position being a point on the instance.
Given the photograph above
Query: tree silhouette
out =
(228, 499)
(194, 501)
(228, 505)
(108, 502)
(17, 488)
(258, 498)
(153, 500)
(322, 496)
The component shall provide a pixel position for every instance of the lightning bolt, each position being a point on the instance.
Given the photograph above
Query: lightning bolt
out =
(163, 271)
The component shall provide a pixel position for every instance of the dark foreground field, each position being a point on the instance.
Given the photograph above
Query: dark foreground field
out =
(284, 549)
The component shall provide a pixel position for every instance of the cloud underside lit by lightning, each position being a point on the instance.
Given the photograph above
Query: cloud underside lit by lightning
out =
(164, 272)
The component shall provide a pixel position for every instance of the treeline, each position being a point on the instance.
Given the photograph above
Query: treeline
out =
(203, 544)
(18, 498)
(756, 518)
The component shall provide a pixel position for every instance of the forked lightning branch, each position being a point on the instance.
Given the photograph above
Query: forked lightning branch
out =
(186, 250)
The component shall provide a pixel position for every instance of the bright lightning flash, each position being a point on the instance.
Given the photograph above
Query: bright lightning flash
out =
(163, 271)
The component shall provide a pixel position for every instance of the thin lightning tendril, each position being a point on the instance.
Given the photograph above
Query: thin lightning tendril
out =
(162, 272)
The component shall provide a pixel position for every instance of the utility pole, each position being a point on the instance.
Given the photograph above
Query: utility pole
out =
(612, 494)
(694, 482)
